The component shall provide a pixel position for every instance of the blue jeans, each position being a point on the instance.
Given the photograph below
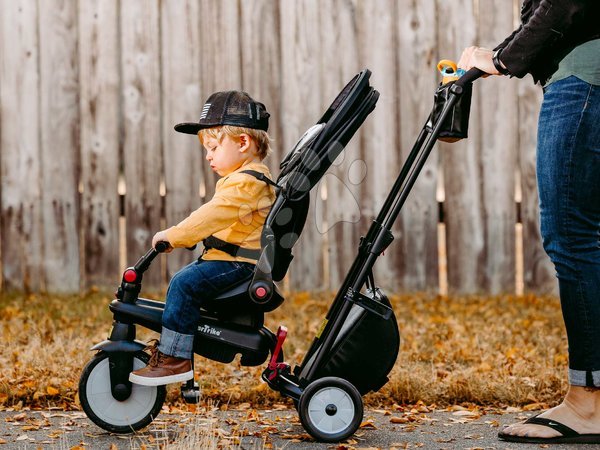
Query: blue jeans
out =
(568, 172)
(189, 288)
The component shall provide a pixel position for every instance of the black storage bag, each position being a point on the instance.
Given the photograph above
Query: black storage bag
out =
(365, 350)
(456, 125)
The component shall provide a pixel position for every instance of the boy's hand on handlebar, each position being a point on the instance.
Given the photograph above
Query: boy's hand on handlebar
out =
(161, 236)
(478, 57)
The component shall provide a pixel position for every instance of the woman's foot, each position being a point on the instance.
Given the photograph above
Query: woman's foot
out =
(580, 411)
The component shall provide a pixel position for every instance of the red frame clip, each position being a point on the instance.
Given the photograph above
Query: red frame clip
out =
(275, 366)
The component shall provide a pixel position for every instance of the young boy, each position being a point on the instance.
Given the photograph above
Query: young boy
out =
(233, 130)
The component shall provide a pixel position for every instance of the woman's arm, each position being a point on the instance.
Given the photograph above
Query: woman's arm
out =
(548, 23)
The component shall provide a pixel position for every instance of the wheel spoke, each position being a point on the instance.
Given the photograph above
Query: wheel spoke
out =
(317, 414)
(338, 396)
(325, 424)
(340, 422)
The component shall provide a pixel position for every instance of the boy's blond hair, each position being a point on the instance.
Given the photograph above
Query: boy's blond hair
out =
(260, 137)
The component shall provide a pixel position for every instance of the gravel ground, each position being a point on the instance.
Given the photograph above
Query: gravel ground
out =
(256, 429)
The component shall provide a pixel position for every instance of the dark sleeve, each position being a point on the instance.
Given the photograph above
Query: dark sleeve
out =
(508, 39)
(548, 23)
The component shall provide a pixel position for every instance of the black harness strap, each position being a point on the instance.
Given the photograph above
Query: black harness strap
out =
(262, 177)
(233, 249)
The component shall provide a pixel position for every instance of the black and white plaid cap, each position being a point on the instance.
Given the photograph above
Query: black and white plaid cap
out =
(229, 108)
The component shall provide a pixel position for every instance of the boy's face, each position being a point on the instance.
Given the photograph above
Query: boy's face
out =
(227, 155)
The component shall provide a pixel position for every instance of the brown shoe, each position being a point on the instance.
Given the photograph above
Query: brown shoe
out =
(162, 369)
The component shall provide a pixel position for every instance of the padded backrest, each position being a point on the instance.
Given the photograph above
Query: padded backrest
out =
(285, 223)
(303, 167)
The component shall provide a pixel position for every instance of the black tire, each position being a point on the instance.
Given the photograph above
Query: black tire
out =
(330, 409)
(139, 410)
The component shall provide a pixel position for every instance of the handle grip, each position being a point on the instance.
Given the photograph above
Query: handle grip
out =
(162, 246)
(471, 75)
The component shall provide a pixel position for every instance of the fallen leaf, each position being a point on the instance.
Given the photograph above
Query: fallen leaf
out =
(399, 420)
(368, 424)
(52, 390)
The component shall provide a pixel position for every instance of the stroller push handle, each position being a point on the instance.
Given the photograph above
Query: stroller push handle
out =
(469, 77)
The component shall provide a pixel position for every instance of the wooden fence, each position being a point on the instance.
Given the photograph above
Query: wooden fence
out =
(91, 167)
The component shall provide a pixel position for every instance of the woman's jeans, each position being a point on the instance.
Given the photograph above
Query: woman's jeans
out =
(189, 288)
(568, 173)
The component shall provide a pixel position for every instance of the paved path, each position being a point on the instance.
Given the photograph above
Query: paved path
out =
(257, 429)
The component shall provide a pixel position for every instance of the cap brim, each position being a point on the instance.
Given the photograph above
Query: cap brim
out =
(189, 128)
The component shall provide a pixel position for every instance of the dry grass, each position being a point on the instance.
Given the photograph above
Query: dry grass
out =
(502, 350)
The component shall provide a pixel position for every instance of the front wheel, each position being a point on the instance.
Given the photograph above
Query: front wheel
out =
(330, 409)
(127, 416)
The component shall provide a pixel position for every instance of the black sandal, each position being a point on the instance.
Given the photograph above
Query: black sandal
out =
(569, 435)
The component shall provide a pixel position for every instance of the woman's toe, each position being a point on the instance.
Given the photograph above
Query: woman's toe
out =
(530, 430)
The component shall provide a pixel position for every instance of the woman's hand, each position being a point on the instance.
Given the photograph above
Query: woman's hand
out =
(478, 57)
(161, 236)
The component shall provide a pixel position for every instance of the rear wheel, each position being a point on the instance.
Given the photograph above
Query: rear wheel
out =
(330, 409)
(97, 401)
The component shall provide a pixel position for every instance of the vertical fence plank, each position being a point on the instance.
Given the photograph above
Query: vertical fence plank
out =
(301, 108)
(538, 270)
(100, 114)
(417, 250)
(21, 214)
(498, 157)
(463, 209)
(261, 64)
(341, 185)
(59, 97)
(380, 143)
(140, 66)
(182, 102)
(221, 60)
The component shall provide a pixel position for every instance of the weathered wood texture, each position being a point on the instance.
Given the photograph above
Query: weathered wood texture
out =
(300, 98)
(497, 155)
(182, 99)
(378, 51)
(141, 98)
(539, 273)
(460, 165)
(59, 133)
(22, 252)
(417, 249)
(100, 137)
(340, 189)
(90, 92)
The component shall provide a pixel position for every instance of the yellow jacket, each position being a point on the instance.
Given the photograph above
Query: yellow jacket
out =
(236, 214)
